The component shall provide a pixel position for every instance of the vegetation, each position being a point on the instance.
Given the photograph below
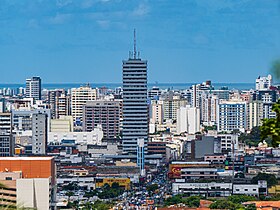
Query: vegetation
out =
(271, 127)
(270, 178)
(238, 199)
(252, 138)
(210, 128)
(224, 204)
(192, 201)
(110, 192)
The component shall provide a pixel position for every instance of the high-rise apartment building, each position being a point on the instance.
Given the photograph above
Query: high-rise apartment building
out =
(33, 88)
(6, 136)
(39, 133)
(156, 112)
(135, 108)
(188, 119)
(59, 102)
(263, 83)
(232, 115)
(104, 113)
(254, 114)
(79, 97)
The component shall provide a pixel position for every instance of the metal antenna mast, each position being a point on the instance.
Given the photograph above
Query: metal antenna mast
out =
(134, 52)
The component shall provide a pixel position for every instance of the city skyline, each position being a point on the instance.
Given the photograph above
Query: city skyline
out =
(70, 42)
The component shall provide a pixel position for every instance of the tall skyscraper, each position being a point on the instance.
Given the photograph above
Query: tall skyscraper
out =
(135, 108)
(33, 88)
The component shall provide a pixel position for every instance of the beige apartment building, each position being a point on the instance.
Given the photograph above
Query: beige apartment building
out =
(79, 97)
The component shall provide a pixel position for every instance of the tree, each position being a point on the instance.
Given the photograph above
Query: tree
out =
(115, 185)
(224, 204)
(270, 178)
(192, 201)
(271, 127)
(238, 199)
(251, 207)
(173, 200)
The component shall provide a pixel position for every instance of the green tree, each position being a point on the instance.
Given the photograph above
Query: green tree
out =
(173, 200)
(271, 127)
(270, 178)
(238, 199)
(192, 201)
(224, 204)
(251, 207)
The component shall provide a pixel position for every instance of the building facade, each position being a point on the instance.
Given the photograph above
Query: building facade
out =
(33, 88)
(135, 107)
(104, 113)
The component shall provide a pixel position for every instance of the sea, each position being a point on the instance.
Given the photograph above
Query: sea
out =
(171, 86)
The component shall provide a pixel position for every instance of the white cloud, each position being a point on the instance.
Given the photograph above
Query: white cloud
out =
(87, 4)
(63, 3)
(141, 10)
(60, 19)
(103, 23)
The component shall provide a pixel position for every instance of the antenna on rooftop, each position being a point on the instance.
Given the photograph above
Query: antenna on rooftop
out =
(134, 51)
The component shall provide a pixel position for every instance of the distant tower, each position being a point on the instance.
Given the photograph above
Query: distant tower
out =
(33, 88)
(135, 109)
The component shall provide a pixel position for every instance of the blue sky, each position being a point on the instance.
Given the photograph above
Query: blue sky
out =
(183, 40)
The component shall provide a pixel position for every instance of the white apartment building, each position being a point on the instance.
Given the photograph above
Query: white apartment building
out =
(79, 97)
(232, 115)
(170, 107)
(188, 119)
(156, 112)
(263, 83)
(254, 114)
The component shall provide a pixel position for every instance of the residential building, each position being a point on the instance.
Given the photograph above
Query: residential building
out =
(254, 114)
(22, 118)
(232, 116)
(263, 83)
(188, 119)
(104, 113)
(156, 112)
(39, 133)
(6, 136)
(33, 88)
(79, 97)
(171, 105)
(59, 101)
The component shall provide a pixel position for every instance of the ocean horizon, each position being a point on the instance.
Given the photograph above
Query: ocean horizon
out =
(175, 86)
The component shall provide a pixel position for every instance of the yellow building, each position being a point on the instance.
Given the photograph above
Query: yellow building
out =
(123, 182)
(274, 189)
